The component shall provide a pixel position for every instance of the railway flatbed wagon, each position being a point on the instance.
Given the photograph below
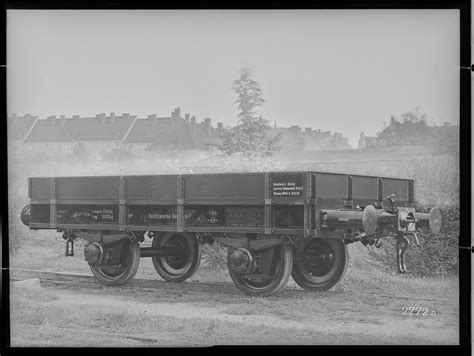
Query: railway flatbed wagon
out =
(275, 225)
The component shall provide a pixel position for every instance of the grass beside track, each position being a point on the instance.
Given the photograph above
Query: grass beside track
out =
(165, 317)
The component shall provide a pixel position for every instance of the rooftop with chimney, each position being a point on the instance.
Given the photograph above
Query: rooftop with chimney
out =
(173, 132)
(75, 128)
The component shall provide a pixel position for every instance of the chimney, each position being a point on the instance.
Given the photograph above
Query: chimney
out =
(125, 114)
(101, 118)
(447, 124)
(186, 117)
(193, 124)
(75, 116)
(153, 120)
(63, 120)
(112, 118)
(27, 115)
(207, 126)
(175, 118)
(14, 115)
(52, 120)
(176, 114)
(308, 129)
(220, 126)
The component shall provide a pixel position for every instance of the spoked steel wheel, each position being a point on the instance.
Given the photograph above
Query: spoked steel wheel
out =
(179, 266)
(25, 215)
(321, 263)
(265, 285)
(121, 273)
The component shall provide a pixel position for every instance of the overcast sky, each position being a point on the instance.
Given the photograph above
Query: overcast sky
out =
(343, 71)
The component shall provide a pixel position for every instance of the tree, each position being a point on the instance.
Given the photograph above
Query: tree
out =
(249, 139)
(409, 129)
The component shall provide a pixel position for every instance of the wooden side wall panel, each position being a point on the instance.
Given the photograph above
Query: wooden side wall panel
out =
(216, 187)
(221, 202)
(79, 188)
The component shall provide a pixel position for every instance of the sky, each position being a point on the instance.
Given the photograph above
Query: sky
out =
(343, 71)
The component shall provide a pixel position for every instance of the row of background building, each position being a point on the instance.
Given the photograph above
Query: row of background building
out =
(193, 146)
(153, 133)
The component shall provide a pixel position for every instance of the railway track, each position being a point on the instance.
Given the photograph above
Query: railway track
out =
(147, 340)
(61, 278)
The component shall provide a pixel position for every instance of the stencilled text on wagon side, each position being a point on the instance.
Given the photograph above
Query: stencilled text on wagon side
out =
(287, 189)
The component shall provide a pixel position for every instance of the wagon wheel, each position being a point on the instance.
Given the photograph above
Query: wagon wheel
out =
(276, 280)
(321, 263)
(119, 274)
(180, 267)
(25, 215)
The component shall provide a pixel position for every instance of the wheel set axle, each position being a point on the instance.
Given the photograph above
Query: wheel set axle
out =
(314, 264)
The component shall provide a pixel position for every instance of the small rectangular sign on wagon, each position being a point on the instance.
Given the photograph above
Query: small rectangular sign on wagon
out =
(287, 185)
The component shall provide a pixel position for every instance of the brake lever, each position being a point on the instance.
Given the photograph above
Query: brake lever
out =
(415, 237)
(402, 245)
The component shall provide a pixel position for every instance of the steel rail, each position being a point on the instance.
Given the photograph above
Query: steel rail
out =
(158, 284)
(146, 339)
(155, 285)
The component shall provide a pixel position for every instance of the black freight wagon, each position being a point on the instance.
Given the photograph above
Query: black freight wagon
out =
(274, 224)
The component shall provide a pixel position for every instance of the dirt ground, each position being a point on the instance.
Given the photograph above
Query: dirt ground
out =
(358, 311)
(205, 318)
